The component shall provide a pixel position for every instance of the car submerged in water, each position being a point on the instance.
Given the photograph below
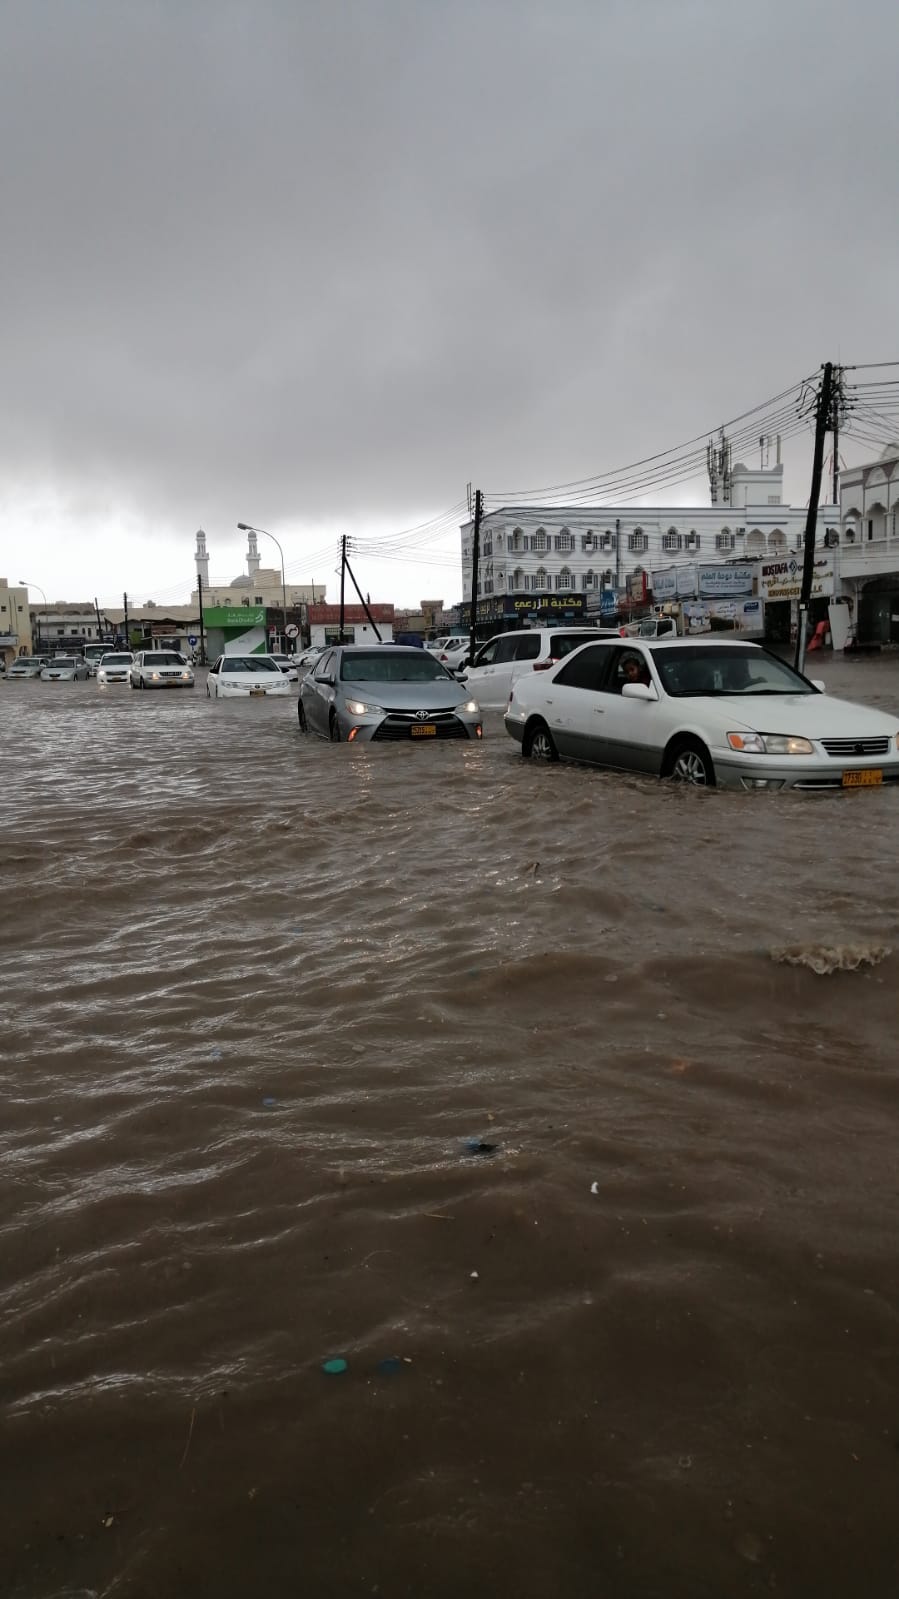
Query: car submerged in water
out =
(704, 711)
(391, 692)
(65, 669)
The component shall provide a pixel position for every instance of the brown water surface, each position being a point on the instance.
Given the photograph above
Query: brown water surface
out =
(259, 992)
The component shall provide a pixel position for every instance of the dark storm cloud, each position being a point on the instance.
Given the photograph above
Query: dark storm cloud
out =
(286, 260)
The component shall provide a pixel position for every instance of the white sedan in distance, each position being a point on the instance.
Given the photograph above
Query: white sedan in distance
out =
(287, 665)
(115, 667)
(704, 711)
(241, 677)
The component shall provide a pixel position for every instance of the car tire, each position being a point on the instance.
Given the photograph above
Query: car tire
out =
(538, 743)
(301, 717)
(688, 761)
(334, 729)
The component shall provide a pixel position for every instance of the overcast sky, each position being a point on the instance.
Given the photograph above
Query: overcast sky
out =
(318, 265)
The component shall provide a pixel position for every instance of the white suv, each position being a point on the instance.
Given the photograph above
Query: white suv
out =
(499, 662)
(160, 669)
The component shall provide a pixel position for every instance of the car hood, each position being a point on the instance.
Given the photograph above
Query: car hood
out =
(438, 696)
(809, 715)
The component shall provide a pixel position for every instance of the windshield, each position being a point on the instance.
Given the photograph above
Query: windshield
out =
(163, 658)
(116, 660)
(730, 669)
(249, 663)
(64, 661)
(392, 666)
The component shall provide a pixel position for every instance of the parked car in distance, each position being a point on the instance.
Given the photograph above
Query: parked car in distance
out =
(454, 653)
(245, 677)
(287, 666)
(160, 669)
(502, 659)
(704, 711)
(308, 658)
(385, 692)
(25, 666)
(114, 667)
(94, 653)
(65, 669)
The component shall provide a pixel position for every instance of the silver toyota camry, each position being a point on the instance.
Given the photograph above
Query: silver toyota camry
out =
(387, 692)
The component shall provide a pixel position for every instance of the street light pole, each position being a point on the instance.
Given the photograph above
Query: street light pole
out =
(246, 527)
(23, 583)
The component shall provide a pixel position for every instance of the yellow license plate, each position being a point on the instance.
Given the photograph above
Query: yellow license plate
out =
(423, 730)
(865, 779)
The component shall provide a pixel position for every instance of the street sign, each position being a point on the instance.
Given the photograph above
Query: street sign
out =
(292, 630)
(191, 638)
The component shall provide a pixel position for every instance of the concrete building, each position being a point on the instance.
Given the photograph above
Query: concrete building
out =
(15, 622)
(69, 626)
(324, 624)
(545, 562)
(869, 546)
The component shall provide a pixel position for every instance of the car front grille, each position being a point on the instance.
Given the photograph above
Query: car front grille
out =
(399, 724)
(846, 748)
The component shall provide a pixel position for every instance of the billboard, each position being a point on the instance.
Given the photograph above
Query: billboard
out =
(723, 582)
(781, 579)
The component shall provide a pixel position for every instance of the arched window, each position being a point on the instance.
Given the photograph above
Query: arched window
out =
(590, 579)
(637, 541)
(540, 541)
(563, 581)
(518, 582)
(671, 541)
(755, 542)
(777, 540)
(565, 542)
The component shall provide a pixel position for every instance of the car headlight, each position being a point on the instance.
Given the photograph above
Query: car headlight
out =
(770, 744)
(154, 677)
(186, 676)
(470, 708)
(362, 708)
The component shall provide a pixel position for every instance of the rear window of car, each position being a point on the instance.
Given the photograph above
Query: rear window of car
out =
(65, 661)
(562, 644)
(249, 663)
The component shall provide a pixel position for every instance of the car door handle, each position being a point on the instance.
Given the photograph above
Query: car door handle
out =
(599, 710)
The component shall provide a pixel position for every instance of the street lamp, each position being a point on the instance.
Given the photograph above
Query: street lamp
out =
(24, 584)
(246, 527)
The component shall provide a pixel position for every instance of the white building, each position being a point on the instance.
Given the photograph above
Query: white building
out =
(545, 561)
(869, 545)
(258, 585)
(15, 622)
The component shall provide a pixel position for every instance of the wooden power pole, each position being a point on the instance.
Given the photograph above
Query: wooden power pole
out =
(475, 558)
(822, 423)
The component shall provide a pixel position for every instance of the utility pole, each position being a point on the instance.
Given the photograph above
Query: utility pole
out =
(363, 600)
(127, 633)
(823, 421)
(202, 628)
(342, 585)
(838, 402)
(475, 557)
(99, 623)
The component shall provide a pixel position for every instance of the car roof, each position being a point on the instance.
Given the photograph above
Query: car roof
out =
(385, 644)
(706, 642)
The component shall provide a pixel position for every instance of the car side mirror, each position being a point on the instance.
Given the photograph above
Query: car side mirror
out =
(638, 691)
(328, 678)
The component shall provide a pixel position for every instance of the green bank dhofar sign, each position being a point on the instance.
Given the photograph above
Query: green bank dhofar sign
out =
(246, 616)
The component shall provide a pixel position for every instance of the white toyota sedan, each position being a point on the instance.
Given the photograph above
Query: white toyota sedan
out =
(240, 677)
(703, 711)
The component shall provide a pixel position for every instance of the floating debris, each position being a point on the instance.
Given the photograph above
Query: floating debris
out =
(334, 1367)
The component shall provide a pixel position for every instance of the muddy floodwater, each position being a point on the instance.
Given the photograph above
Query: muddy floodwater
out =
(479, 1076)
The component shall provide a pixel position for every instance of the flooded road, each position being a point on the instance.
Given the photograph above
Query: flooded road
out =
(260, 994)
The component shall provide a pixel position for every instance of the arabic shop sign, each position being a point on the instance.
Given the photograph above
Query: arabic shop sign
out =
(724, 582)
(782, 579)
(550, 602)
(243, 616)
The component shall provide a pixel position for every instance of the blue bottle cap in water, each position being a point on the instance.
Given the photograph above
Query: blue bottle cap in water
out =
(334, 1368)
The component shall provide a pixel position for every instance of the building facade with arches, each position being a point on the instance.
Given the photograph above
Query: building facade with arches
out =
(869, 545)
(547, 559)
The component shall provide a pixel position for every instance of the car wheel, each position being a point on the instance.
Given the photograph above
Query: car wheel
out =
(690, 762)
(538, 743)
(334, 729)
(301, 718)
